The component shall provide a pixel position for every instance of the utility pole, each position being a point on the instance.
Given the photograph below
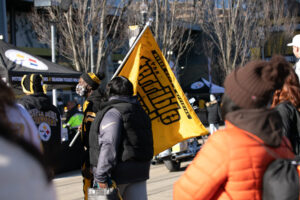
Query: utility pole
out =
(3, 21)
(53, 32)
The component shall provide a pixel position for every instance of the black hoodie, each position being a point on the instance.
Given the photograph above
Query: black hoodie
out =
(91, 106)
(263, 122)
(47, 119)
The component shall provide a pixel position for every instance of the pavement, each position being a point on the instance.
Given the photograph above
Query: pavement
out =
(159, 187)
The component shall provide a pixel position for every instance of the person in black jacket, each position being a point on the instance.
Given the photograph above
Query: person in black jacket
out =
(287, 102)
(214, 114)
(89, 87)
(45, 115)
(121, 142)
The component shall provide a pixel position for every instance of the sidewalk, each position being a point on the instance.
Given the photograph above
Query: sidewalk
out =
(159, 187)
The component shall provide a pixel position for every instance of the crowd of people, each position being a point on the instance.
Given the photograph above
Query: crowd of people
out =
(260, 105)
(116, 147)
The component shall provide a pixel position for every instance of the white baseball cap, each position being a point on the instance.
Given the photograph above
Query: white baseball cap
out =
(296, 41)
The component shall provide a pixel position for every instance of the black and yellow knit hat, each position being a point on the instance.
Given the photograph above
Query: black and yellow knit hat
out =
(92, 79)
(33, 83)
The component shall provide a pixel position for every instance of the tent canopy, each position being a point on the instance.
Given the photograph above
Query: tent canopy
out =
(14, 63)
(202, 86)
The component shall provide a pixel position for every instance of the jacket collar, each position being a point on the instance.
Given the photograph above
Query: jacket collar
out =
(264, 123)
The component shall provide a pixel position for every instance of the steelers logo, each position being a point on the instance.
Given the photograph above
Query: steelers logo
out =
(45, 131)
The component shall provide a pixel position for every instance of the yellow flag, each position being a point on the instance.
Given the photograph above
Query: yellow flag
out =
(173, 119)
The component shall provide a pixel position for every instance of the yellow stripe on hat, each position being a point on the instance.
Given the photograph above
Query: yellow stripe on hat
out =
(23, 86)
(31, 83)
(94, 77)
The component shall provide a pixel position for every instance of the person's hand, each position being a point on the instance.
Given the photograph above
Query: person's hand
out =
(102, 185)
(79, 128)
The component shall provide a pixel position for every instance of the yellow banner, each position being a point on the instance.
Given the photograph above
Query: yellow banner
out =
(173, 119)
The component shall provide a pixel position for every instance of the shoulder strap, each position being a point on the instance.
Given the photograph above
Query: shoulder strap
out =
(270, 151)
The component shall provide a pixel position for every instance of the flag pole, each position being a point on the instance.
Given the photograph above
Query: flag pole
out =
(132, 47)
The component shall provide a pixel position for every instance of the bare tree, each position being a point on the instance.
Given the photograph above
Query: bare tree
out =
(84, 19)
(238, 26)
(172, 26)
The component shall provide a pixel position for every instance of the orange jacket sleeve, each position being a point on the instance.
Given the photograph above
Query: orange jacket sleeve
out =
(204, 177)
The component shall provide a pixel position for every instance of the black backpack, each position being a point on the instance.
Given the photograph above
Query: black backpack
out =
(281, 180)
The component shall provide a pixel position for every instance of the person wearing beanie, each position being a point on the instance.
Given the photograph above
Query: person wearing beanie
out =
(296, 51)
(214, 114)
(45, 116)
(232, 162)
(88, 87)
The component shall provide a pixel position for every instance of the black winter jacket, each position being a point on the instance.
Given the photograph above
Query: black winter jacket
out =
(291, 124)
(214, 113)
(121, 142)
(48, 121)
(90, 107)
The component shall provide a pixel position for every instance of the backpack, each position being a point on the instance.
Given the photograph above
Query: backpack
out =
(281, 180)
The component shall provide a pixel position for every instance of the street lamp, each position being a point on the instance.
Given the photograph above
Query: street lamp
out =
(169, 55)
(144, 12)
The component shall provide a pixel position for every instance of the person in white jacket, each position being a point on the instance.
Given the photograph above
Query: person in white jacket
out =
(296, 50)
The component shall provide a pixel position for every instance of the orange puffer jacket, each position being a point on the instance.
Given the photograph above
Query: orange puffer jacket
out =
(229, 166)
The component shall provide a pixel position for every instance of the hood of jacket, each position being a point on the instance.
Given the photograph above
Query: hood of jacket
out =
(120, 99)
(97, 98)
(128, 99)
(39, 101)
(264, 123)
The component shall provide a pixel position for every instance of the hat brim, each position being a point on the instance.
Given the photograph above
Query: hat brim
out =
(293, 44)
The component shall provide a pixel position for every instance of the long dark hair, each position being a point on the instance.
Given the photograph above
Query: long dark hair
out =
(290, 91)
(7, 98)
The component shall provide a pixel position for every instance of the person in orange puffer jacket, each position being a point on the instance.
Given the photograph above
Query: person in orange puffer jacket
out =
(232, 162)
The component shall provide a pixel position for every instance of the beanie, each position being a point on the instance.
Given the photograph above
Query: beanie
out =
(251, 86)
(92, 79)
(32, 84)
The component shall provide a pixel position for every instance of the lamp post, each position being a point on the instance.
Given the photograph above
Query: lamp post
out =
(169, 55)
(3, 21)
(144, 12)
(91, 30)
(135, 29)
(53, 58)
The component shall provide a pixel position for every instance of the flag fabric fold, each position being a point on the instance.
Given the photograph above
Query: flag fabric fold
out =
(173, 119)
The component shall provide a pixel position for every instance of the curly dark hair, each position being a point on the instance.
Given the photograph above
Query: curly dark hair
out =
(290, 91)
